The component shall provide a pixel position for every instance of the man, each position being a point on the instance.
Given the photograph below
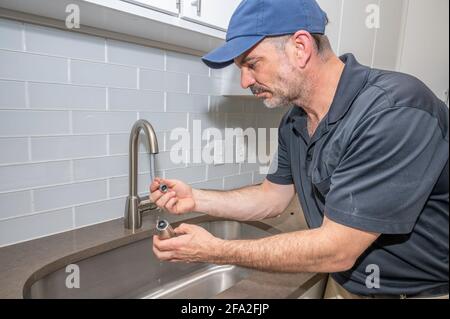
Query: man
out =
(365, 150)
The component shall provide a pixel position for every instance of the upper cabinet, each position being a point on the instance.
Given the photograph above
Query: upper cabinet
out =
(212, 13)
(166, 6)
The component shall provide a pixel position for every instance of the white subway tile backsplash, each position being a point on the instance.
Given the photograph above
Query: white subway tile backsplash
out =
(67, 106)
(163, 81)
(188, 174)
(67, 147)
(214, 184)
(249, 167)
(99, 212)
(12, 95)
(34, 226)
(163, 161)
(258, 178)
(208, 120)
(187, 103)
(236, 120)
(33, 122)
(60, 96)
(32, 67)
(64, 43)
(102, 122)
(165, 121)
(11, 35)
(226, 104)
(119, 186)
(216, 171)
(13, 150)
(102, 167)
(140, 100)
(102, 74)
(15, 204)
(69, 195)
(119, 143)
(199, 84)
(24, 176)
(238, 181)
(268, 120)
(178, 62)
(136, 55)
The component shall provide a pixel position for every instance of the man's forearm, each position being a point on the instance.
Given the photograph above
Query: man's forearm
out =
(250, 203)
(305, 251)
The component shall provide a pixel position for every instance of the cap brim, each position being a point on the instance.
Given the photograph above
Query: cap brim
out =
(225, 55)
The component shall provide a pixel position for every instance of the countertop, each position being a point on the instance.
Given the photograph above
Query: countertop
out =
(23, 264)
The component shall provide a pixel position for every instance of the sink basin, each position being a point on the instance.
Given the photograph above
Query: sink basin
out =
(132, 271)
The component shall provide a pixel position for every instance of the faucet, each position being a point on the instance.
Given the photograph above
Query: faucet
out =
(135, 206)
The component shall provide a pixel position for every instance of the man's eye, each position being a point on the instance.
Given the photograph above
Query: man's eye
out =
(252, 65)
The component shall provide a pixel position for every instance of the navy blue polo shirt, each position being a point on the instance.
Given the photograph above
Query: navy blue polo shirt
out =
(377, 162)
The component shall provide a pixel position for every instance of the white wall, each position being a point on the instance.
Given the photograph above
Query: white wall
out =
(425, 51)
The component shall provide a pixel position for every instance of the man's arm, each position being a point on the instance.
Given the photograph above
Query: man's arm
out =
(331, 248)
(249, 203)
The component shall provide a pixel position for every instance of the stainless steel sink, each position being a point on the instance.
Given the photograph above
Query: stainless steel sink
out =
(132, 271)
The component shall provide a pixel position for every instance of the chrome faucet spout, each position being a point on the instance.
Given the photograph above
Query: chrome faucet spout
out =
(134, 206)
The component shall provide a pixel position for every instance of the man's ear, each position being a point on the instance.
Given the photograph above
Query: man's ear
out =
(304, 47)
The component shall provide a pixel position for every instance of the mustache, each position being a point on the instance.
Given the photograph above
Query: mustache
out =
(257, 89)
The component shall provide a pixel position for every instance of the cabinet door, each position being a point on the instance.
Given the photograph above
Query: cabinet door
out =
(167, 6)
(213, 13)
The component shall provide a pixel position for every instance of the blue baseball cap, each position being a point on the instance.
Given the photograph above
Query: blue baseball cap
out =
(255, 20)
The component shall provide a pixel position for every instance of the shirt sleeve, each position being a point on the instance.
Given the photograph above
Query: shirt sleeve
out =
(388, 172)
(280, 169)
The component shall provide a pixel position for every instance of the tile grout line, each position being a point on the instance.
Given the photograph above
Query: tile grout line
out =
(73, 217)
(27, 96)
(138, 79)
(108, 188)
(69, 71)
(341, 20)
(34, 213)
(106, 51)
(374, 50)
(24, 38)
(32, 205)
(30, 157)
(107, 93)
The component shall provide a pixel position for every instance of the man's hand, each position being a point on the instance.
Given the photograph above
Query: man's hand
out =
(193, 244)
(178, 199)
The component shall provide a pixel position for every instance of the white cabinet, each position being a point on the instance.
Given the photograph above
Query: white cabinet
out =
(213, 13)
(167, 6)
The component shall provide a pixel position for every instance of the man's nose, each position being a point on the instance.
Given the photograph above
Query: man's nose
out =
(247, 79)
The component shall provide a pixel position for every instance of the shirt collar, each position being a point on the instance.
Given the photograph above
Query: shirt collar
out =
(352, 81)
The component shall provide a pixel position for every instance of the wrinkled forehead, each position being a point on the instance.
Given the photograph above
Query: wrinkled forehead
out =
(263, 49)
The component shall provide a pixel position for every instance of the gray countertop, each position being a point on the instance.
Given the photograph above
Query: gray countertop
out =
(23, 264)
